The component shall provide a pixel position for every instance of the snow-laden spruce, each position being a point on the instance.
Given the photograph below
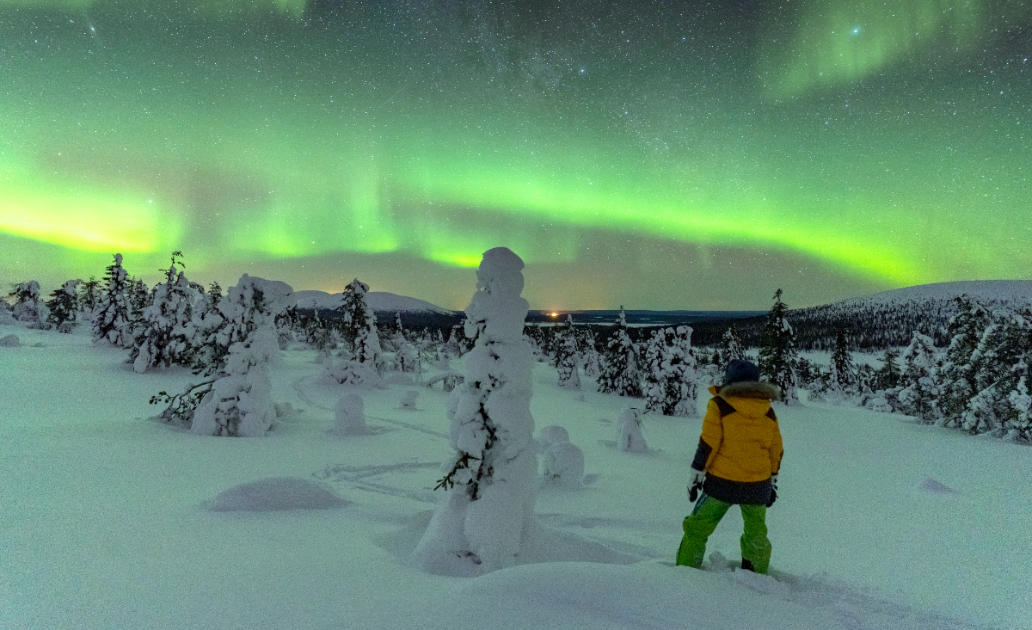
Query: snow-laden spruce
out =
(488, 510)
(359, 360)
(64, 306)
(166, 334)
(918, 393)
(670, 377)
(112, 312)
(957, 372)
(240, 401)
(778, 354)
(566, 355)
(619, 372)
(236, 399)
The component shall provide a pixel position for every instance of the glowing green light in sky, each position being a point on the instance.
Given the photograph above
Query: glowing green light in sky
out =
(374, 132)
(824, 46)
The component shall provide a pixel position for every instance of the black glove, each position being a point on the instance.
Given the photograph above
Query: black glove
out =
(695, 484)
(773, 490)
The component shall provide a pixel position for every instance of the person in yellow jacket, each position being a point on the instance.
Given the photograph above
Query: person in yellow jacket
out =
(736, 463)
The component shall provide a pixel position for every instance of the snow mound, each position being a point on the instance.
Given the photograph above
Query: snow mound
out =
(936, 487)
(275, 494)
(10, 341)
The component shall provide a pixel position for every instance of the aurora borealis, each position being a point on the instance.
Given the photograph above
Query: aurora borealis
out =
(666, 155)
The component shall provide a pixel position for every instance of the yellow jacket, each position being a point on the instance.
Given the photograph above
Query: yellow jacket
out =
(741, 446)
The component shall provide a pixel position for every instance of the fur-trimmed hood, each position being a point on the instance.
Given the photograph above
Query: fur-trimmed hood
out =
(747, 389)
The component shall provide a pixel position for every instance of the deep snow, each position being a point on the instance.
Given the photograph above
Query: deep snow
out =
(106, 519)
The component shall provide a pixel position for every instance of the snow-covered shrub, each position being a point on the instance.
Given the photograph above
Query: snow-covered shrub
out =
(350, 416)
(29, 307)
(408, 399)
(489, 507)
(550, 435)
(629, 436)
(562, 464)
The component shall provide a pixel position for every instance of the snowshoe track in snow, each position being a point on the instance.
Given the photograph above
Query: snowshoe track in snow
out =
(358, 477)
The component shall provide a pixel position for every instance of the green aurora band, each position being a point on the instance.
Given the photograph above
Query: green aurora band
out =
(889, 147)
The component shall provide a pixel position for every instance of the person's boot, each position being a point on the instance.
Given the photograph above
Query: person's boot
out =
(747, 565)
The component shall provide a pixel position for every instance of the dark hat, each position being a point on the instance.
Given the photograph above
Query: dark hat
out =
(741, 370)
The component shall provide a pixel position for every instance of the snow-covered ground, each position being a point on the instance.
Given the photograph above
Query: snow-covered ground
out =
(107, 519)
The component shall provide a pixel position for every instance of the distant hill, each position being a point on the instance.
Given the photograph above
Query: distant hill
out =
(989, 293)
(637, 317)
(882, 320)
(380, 301)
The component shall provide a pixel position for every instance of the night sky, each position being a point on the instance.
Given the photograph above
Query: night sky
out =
(658, 155)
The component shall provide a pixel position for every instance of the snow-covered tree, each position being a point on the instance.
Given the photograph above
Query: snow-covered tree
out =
(489, 508)
(1019, 422)
(888, 375)
(778, 353)
(166, 334)
(112, 313)
(89, 296)
(354, 312)
(360, 365)
(619, 372)
(843, 372)
(918, 390)
(673, 385)
(653, 357)
(591, 360)
(64, 306)
(405, 354)
(236, 399)
(139, 299)
(566, 355)
(999, 363)
(731, 346)
(957, 374)
(29, 306)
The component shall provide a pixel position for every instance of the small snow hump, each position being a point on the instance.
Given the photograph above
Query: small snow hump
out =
(276, 494)
(935, 486)
(10, 341)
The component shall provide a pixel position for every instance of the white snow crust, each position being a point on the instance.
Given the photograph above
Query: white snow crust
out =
(881, 523)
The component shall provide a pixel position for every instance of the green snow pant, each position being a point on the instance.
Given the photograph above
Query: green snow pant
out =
(703, 520)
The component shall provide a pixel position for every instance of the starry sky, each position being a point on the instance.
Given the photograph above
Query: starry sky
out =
(652, 154)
